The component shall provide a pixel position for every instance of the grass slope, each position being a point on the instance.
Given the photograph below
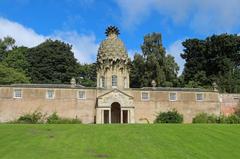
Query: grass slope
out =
(119, 141)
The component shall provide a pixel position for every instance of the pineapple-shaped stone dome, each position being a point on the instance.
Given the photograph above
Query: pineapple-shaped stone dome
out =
(112, 50)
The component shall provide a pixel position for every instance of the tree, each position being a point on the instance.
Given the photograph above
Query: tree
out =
(11, 76)
(6, 44)
(137, 71)
(87, 75)
(154, 64)
(17, 59)
(52, 62)
(215, 59)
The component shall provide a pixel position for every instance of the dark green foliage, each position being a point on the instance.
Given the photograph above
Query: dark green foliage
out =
(31, 118)
(137, 72)
(169, 117)
(52, 62)
(87, 75)
(215, 59)
(55, 119)
(9, 75)
(154, 64)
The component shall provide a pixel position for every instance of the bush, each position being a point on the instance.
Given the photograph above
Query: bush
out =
(200, 118)
(55, 119)
(38, 118)
(232, 119)
(34, 118)
(169, 117)
(206, 118)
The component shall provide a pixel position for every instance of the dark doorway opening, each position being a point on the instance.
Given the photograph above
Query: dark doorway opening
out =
(106, 116)
(125, 116)
(115, 113)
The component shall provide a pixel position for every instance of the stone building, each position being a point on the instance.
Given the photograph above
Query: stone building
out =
(112, 101)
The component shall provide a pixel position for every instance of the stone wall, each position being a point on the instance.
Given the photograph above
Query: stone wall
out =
(229, 102)
(186, 104)
(65, 103)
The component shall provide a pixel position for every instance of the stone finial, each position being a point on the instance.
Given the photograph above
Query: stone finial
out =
(215, 86)
(154, 84)
(73, 82)
(112, 30)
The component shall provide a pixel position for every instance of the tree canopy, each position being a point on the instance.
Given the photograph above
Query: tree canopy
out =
(215, 59)
(153, 64)
(52, 62)
(9, 75)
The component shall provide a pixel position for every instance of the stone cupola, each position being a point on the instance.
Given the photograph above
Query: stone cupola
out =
(112, 62)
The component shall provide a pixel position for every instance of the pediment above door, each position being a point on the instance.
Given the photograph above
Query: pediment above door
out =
(115, 95)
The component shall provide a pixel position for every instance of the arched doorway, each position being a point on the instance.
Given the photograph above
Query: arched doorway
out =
(115, 113)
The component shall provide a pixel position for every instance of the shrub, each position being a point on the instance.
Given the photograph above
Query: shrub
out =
(169, 117)
(232, 119)
(200, 118)
(212, 119)
(31, 118)
(55, 119)
(206, 118)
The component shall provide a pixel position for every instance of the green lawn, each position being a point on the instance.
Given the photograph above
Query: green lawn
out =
(119, 141)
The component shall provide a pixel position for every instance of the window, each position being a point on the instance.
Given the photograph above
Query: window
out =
(145, 95)
(173, 96)
(17, 93)
(199, 96)
(114, 80)
(81, 95)
(102, 82)
(50, 94)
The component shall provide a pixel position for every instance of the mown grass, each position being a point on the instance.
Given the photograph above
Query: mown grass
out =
(155, 141)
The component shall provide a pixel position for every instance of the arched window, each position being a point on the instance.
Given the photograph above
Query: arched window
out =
(114, 80)
(103, 81)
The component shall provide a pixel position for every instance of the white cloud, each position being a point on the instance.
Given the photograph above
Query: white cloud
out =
(23, 35)
(175, 49)
(84, 46)
(202, 16)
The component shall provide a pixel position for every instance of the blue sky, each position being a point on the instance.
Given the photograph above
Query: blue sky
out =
(83, 22)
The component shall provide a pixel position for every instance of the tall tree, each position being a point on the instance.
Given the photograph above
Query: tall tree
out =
(52, 62)
(155, 64)
(215, 59)
(137, 72)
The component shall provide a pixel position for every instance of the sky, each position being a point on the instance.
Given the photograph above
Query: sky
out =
(82, 23)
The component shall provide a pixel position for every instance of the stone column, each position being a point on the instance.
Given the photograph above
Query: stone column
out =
(129, 121)
(98, 116)
(102, 114)
(121, 116)
(109, 115)
(132, 119)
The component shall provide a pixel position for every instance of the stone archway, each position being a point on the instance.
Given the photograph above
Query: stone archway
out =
(115, 113)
